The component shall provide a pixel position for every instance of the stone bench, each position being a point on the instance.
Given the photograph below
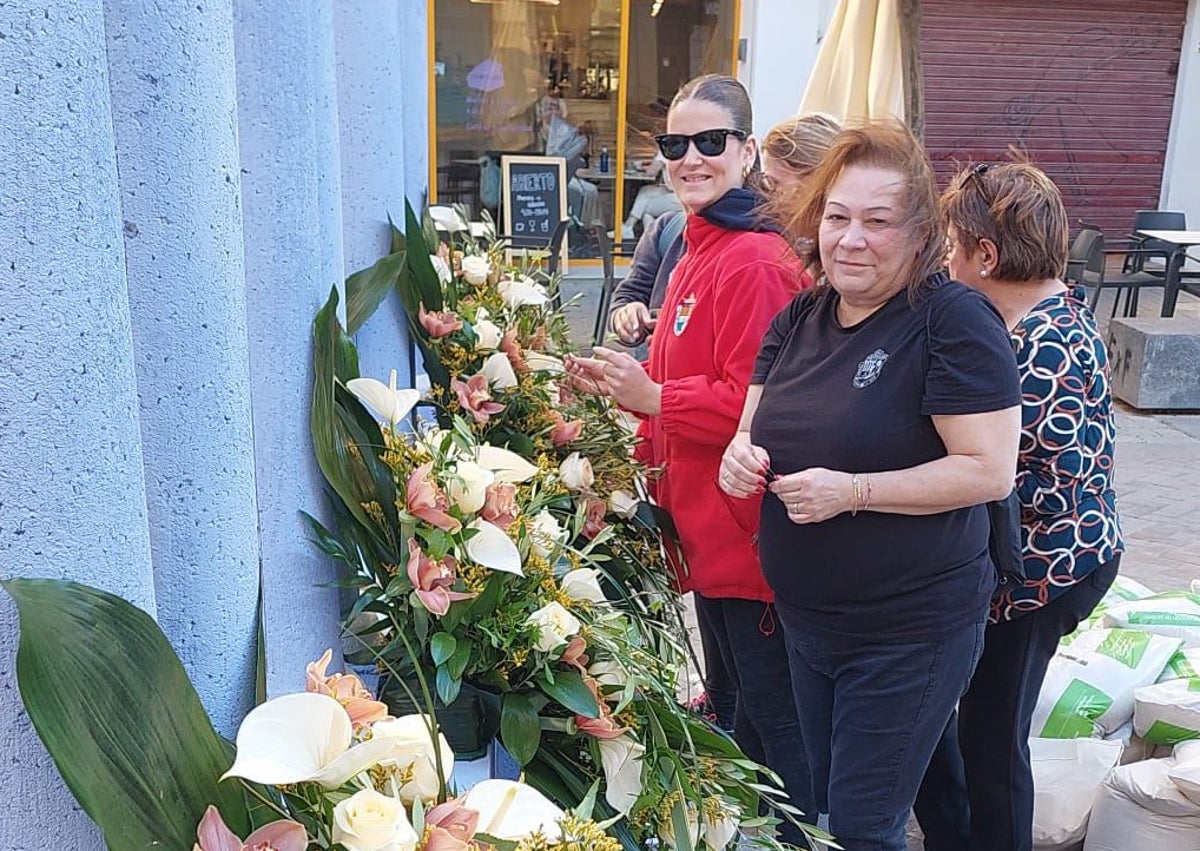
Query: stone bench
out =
(1156, 362)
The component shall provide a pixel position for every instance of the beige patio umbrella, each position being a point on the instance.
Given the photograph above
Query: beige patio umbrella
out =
(859, 72)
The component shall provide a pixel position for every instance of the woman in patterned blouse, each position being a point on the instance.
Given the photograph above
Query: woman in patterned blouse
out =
(1007, 238)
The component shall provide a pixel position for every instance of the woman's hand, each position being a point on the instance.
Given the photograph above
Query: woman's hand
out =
(626, 380)
(586, 375)
(815, 494)
(743, 467)
(632, 322)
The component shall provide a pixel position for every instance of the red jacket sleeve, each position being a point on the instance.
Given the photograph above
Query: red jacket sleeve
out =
(706, 409)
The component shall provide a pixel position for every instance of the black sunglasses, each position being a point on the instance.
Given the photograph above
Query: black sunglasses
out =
(976, 174)
(709, 143)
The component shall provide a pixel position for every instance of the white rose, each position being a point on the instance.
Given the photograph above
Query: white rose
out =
(518, 293)
(412, 752)
(622, 761)
(488, 335)
(499, 372)
(369, 821)
(607, 673)
(623, 503)
(442, 268)
(576, 472)
(467, 486)
(547, 534)
(582, 584)
(555, 626)
(476, 269)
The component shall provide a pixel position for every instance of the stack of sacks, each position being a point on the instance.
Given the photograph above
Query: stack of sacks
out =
(1123, 590)
(1066, 775)
(1173, 613)
(1152, 805)
(1089, 686)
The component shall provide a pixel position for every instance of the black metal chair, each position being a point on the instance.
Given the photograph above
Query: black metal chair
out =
(607, 288)
(1095, 276)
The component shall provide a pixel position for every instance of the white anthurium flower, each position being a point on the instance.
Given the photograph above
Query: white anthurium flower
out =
(442, 268)
(499, 372)
(622, 761)
(370, 821)
(384, 399)
(493, 549)
(475, 269)
(547, 534)
(607, 673)
(583, 584)
(576, 472)
(512, 811)
(555, 625)
(299, 738)
(466, 486)
(720, 831)
(432, 440)
(507, 465)
(412, 753)
(539, 362)
(521, 292)
(447, 218)
(623, 504)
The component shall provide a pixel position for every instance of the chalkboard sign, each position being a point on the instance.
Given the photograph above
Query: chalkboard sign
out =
(535, 199)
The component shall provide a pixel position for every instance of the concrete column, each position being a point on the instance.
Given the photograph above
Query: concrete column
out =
(370, 41)
(292, 220)
(414, 84)
(175, 120)
(72, 498)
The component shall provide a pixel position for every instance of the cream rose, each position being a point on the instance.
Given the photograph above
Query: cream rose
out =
(412, 752)
(475, 269)
(576, 472)
(369, 821)
(487, 334)
(525, 291)
(555, 626)
(583, 584)
(499, 372)
(547, 534)
(467, 486)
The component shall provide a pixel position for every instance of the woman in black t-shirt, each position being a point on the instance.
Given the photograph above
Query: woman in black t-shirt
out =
(882, 413)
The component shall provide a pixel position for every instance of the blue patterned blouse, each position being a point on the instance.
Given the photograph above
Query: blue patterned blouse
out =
(1065, 464)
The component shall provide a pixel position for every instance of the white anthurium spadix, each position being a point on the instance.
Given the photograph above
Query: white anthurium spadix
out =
(512, 811)
(299, 738)
(384, 399)
(492, 548)
(506, 464)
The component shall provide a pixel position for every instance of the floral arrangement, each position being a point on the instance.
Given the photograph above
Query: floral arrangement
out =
(500, 552)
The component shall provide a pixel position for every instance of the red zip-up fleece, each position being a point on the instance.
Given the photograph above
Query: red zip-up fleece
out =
(721, 298)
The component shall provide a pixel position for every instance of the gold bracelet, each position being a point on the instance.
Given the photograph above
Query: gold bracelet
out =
(867, 501)
(856, 485)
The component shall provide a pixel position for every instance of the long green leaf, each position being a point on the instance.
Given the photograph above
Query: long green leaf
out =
(520, 728)
(115, 709)
(419, 263)
(366, 288)
(569, 689)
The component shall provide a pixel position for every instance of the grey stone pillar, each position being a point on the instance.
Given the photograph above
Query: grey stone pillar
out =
(175, 119)
(287, 102)
(72, 499)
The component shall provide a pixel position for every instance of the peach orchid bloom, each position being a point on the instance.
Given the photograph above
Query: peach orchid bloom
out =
(564, 431)
(451, 827)
(475, 398)
(575, 654)
(426, 501)
(501, 504)
(594, 524)
(282, 835)
(432, 580)
(604, 727)
(510, 347)
(346, 689)
(439, 323)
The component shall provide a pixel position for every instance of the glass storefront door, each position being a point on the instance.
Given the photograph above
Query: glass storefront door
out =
(588, 80)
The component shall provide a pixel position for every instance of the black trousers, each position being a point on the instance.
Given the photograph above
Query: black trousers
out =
(978, 790)
(750, 642)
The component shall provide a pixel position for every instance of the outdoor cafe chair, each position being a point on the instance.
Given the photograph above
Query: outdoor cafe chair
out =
(1091, 247)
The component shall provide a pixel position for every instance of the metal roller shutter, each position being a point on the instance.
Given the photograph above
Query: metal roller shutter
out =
(1085, 86)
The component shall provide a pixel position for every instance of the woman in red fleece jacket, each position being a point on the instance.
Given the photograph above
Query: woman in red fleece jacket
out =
(735, 275)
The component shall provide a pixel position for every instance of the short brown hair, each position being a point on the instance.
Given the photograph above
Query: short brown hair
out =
(885, 144)
(1016, 207)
